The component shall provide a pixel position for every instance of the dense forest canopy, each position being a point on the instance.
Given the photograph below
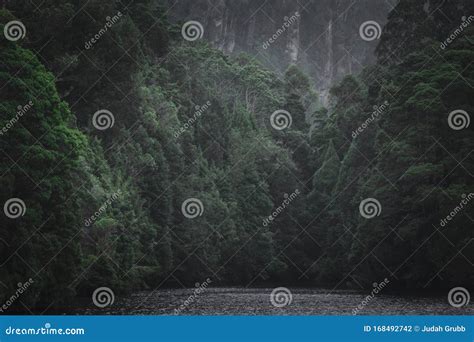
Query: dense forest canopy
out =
(140, 159)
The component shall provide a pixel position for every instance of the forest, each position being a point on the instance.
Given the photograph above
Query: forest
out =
(135, 159)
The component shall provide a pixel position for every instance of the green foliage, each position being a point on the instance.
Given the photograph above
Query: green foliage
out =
(39, 164)
(407, 158)
(104, 207)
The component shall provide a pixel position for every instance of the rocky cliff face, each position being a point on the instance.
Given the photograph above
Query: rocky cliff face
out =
(321, 36)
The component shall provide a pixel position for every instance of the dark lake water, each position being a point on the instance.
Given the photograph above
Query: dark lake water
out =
(241, 301)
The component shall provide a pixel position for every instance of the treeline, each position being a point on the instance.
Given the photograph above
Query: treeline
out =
(186, 124)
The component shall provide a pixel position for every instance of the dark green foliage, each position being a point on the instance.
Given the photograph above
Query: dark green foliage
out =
(39, 165)
(410, 160)
(191, 122)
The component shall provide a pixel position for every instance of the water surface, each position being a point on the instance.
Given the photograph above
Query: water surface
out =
(256, 301)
